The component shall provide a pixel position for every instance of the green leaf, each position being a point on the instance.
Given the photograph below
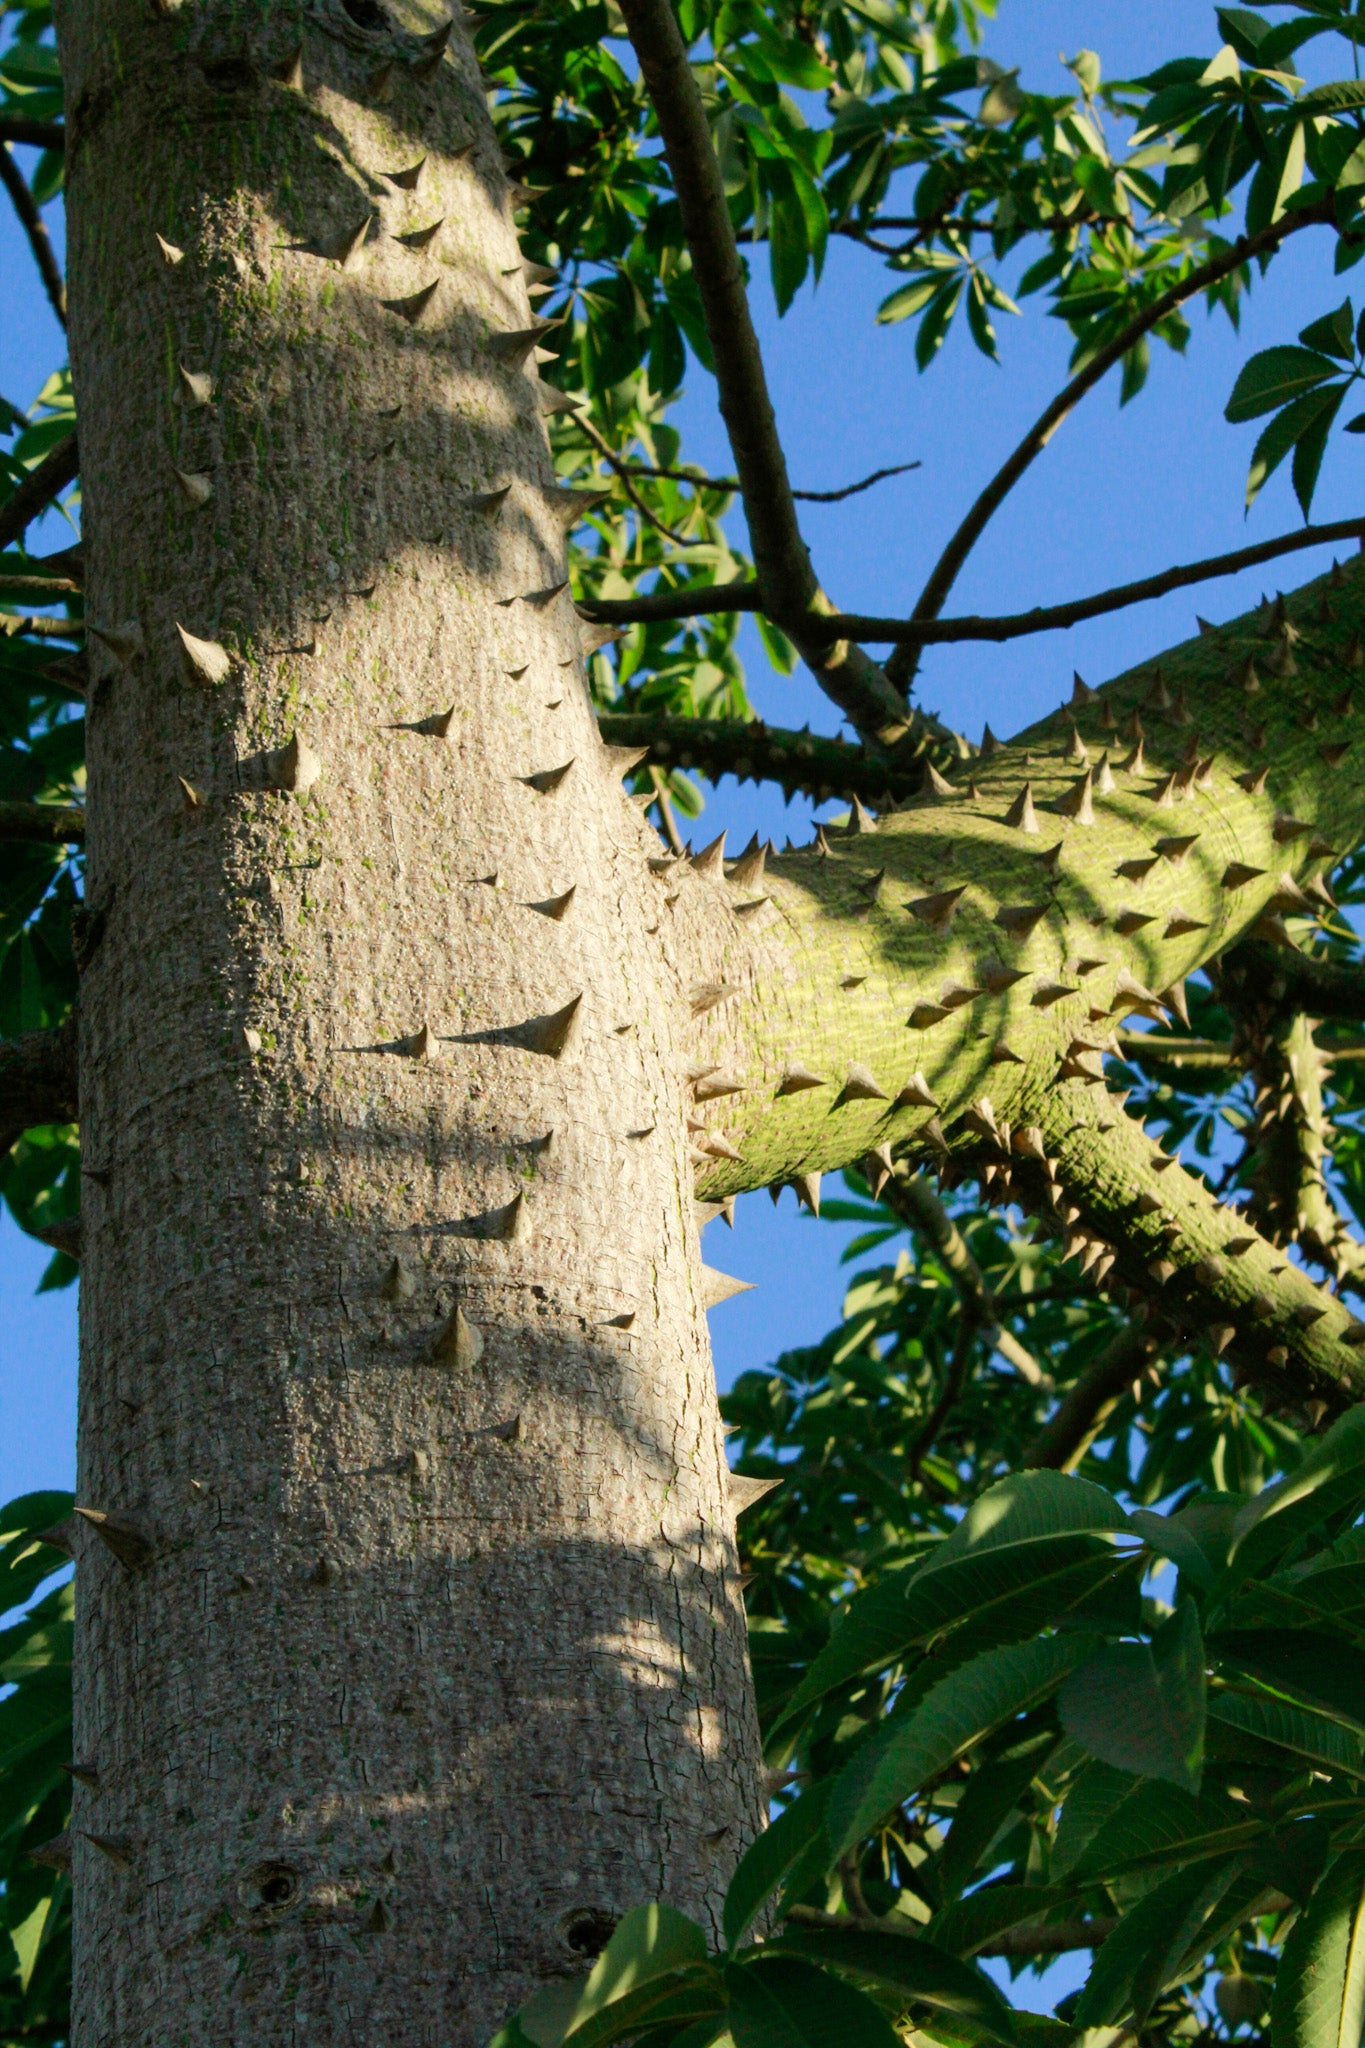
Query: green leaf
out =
(1323, 1744)
(1319, 1670)
(1331, 1475)
(918, 1969)
(1334, 333)
(933, 328)
(1312, 446)
(1141, 1708)
(1299, 420)
(646, 1942)
(1097, 1794)
(783, 2003)
(970, 1923)
(966, 1705)
(1030, 1507)
(1014, 1589)
(766, 1862)
(1319, 1997)
(907, 299)
(1274, 376)
(1145, 1950)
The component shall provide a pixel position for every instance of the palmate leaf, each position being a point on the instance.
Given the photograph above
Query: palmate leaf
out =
(1157, 1823)
(918, 1970)
(1140, 1708)
(1028, 1548)
(767, 1861)
(1330, 1476)
(968, 1704)
(1146, 1949)
(1319, 1997)
(781, 2002)
(1274, 376)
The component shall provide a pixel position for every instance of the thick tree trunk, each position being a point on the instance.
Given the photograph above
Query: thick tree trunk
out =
(414, 1652)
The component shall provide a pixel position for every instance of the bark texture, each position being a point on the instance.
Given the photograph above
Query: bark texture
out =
(413, 1653)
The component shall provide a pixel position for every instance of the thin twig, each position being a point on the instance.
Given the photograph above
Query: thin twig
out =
(12, 624)
(670, 823)
(35, 228)
(901, 668)
(1006, 625)
(701, 482)
(38, 586)
(1035, 1939)
(47, 481)
(37, 134)
(609, 455)
(791, 590)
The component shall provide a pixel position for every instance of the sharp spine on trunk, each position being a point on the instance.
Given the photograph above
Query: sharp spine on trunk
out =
(747, 871)
(125, 642)
(205, 660)
(294, 767)
(399, 1283)
(745, 1491)
(196, 486)
(862, 1085)
(545, 780)
(807, 1186)
(937, 911)
(421, 238)
(459, 1342)
(718, 1287)
(513, 348)
(119, 1535)
(170, 255)
(556, 907)
(197, 386)
(1021, 813)
(556, 1033)
(414, 305)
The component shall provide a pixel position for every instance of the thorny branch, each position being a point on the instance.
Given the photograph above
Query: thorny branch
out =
(790, 588)
(901, 667)
(35, 228)
(796, 761)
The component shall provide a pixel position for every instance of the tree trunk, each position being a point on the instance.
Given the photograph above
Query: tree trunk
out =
(412, 1653)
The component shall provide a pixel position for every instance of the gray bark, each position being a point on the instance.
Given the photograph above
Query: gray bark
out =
(414, 1653)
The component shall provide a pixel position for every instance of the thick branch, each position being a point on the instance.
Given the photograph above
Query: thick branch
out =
(37, 1081)
(57, 469)
(1038, 1939)
(945, 572)
(35, 228)
(789, 583)
(987, 940)
(797, 761)
(38, 134)
(1299, 981)
(746, 597)
(52, 824)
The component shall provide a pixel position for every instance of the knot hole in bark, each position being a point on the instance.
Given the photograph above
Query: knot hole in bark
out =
(270, 1887)
(587, 1929)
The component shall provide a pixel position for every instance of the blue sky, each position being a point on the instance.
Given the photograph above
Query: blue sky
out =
(1117, 494)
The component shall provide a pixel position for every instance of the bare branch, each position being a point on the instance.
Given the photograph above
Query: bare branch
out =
(1037, 1939)
(56, 470)
(1007, 625)
(702, 482)
(38, 134)
(902, 667)
(52, 824)
(1079, 1416)
(789, 583)
(16, 184)
(37, 585)
(1220, 1055)
(797, 761)
(37, 1081)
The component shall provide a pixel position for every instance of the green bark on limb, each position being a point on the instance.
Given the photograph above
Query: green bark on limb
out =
(990, 939)
(1081, 1413)
(749, 749)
